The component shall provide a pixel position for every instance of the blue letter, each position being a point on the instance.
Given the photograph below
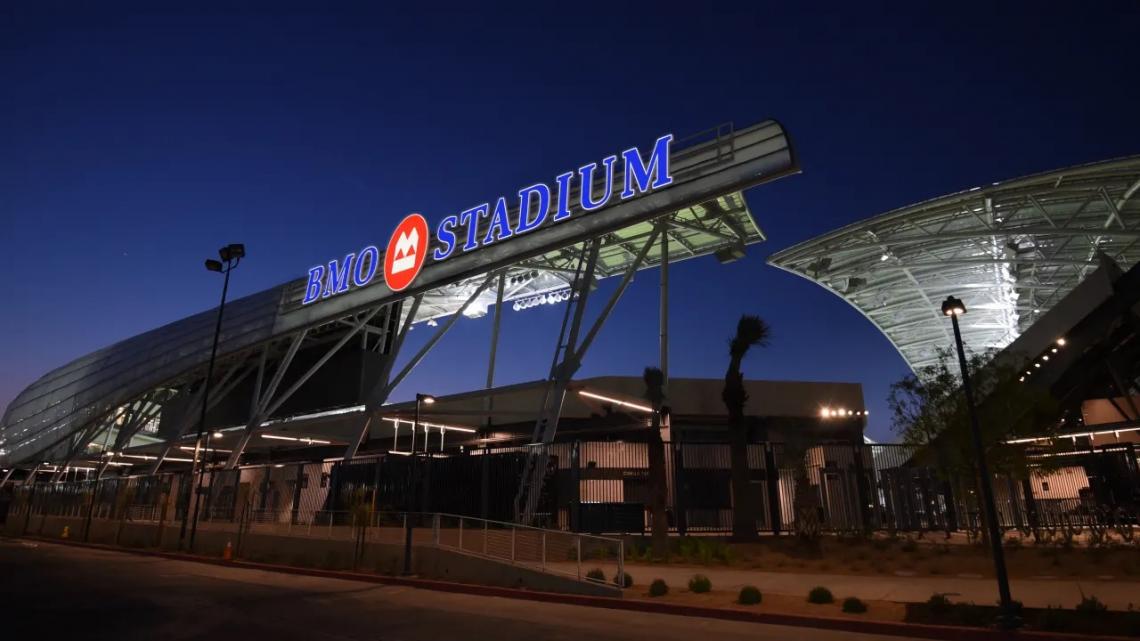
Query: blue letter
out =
(639, 172)
(587, 172)
(563, 195)
(498, 219)
(360, 278)
(313, 289)
(446, 237)
(470, 218)
(543, 192)
(338, 276)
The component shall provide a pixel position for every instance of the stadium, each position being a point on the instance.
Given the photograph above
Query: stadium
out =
(292, 417)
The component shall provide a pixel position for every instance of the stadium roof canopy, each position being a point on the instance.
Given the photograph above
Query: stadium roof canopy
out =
(1009, 250)
(127, 385)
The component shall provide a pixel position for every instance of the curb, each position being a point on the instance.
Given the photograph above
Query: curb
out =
(888, 628)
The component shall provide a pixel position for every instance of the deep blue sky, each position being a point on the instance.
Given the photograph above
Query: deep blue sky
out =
(134, 142)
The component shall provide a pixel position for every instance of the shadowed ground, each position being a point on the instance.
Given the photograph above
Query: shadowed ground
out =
(55, 591)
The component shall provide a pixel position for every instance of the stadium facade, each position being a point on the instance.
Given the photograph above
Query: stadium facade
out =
(305, 369)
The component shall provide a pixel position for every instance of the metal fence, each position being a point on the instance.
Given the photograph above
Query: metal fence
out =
(605, 488)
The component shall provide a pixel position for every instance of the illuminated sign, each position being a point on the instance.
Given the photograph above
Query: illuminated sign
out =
(537, 205)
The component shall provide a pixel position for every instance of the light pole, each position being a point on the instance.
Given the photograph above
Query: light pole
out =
(409, 521)
(954, 308)
(231, 256)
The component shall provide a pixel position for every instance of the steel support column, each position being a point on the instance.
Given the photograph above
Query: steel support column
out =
(663, 338)
(380, 388)
(489, 401)
(526, 501)
(229, 381)
(385, 387)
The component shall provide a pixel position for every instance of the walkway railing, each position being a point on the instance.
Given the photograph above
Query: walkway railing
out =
(554, 551)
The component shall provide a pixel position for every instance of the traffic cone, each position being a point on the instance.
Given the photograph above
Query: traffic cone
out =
(66, 532)
(228, 553)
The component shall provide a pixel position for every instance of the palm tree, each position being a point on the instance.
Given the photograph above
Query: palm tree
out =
(751, 331)
(655, 393)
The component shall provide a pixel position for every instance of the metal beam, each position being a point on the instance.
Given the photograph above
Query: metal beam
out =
(375, 397)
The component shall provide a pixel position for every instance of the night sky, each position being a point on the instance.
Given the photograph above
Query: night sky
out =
(134, 143)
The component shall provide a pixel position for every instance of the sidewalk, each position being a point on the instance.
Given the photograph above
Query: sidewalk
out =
(1031, 592)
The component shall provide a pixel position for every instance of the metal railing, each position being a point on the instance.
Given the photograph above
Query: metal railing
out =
(553, 551)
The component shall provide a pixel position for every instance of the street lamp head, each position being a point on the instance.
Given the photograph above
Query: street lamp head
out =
(237, 250)
(425, 398)
(953, 306)
(213, 265)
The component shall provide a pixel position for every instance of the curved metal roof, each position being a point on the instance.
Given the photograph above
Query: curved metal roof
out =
(707, 214)
(1010, 250)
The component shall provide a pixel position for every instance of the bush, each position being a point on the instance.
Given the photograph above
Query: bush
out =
(749, 595)
(938, 603)
(596, 575)
(820, 595)
(853, 605)
(623, 580)
(658, 588)
(1090, 605)
(700, 584)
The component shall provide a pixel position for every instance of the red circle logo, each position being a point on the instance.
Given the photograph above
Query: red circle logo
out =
(406, 251)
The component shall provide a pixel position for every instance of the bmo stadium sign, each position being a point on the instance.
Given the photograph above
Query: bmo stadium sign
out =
(538, 205)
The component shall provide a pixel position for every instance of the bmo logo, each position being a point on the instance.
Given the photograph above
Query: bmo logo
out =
(403, 260)
(406, 252)
(531, 209)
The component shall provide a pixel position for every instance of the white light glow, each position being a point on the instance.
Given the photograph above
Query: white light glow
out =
(616, 401)
(426, 425)
(306, 441)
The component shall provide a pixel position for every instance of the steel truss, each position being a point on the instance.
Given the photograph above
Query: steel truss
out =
(1011, 250)
(706, 211)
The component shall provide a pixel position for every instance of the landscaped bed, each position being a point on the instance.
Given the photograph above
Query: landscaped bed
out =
(930, 555)
(1087, 618)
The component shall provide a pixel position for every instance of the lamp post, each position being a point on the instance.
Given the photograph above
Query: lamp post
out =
(409, 521)
(231, 256)
(954, 308)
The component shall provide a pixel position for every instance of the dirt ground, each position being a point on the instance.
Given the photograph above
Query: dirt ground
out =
(931, 555)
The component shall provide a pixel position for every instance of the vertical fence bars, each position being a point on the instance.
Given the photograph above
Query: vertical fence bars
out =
(599, 487)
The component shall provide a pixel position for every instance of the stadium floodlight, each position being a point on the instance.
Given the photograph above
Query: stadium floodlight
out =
(953, 307)
(213, 265)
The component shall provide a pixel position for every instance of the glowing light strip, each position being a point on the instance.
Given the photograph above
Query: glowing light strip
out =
(616, 401)
(426, 425)
(187, 448)
(290, 419)
(145, 457)
(306, 441)
(1074, 435)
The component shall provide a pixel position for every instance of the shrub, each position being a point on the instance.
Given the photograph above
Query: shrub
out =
(1090, 605)
(700, 584)
(820, 595)
(938, 603)
(749, 595)
(623, 580)
(1054, 619)
(596, 575)
(658, 588)
(853, 605)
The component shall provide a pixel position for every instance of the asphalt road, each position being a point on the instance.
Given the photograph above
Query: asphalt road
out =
(55, 592)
